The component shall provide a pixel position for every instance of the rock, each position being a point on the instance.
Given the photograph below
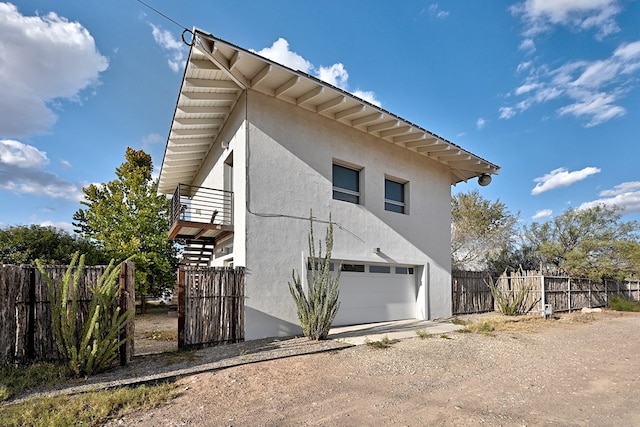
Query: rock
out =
(591, 310)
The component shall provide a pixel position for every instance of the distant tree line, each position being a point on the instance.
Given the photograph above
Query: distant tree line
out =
(595, 242)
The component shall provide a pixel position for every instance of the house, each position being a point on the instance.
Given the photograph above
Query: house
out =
(255, 146)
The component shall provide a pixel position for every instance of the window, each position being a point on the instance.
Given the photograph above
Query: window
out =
(356, 268)
(404, 270)
(346, 184)
(394, 196)
(379, 269)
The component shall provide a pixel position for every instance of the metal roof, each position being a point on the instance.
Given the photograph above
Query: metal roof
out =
(216, 74)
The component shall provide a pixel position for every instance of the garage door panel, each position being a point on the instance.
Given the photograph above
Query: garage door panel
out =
(375, 297)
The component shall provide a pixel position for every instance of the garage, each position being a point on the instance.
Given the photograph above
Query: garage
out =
(376, 293)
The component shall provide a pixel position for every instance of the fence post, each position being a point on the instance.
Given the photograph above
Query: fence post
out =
(543, 296)
(569, 293)
(127, 302)
(181, 307)
(31, 319)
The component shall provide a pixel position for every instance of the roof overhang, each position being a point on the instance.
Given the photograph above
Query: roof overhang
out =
(218, 72)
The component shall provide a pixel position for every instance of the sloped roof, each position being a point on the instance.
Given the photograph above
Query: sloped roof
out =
(216, 74)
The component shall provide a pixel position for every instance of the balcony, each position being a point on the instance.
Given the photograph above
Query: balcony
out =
(200, 213)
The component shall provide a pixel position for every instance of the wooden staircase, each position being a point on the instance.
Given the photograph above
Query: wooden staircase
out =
(197, 253)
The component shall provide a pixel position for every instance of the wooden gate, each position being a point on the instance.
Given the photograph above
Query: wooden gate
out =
(210, 306)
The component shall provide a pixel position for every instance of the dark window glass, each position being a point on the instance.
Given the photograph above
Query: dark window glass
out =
(346, 184)
(358, 268)
(379, 269)
(404, 270)
(393, 196)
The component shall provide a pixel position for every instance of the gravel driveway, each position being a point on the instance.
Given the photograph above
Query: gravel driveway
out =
(579, 370)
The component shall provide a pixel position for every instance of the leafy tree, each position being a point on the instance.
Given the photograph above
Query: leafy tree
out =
(591, 242)
(23, 244)
(481, 231)
(129, 218)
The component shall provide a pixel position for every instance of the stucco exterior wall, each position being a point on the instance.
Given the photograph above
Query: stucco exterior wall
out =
(289, 156)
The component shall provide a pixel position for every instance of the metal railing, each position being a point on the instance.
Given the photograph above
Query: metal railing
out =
(202, 205)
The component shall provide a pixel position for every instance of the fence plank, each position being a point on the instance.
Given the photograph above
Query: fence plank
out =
(211, 303)
(27, 334)
(470, 294)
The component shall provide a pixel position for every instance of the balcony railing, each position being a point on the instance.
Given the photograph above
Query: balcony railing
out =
(200, 212)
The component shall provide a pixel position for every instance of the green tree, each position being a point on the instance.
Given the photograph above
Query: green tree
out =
(129, 218)
(481, 231)
(23, 244)
(591, 242)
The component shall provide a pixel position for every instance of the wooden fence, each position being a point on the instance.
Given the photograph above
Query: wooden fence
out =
(471, 294)
(26, 329)
(210, 306)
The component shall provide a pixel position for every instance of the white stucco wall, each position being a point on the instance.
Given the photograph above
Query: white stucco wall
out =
(289, 156)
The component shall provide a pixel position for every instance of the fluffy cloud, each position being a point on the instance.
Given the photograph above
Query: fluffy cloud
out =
(335, 74)
(174, 47)
(542, 15)
(434, 10)
(561, 178)
(542, 214)
(625, 196)
(590, 90)
(21, 171)
(481, 123)
(50, 58)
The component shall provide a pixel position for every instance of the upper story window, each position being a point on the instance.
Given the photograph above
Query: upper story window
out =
(346, 184)
(394, 196)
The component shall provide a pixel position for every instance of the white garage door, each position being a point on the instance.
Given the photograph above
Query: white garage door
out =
(376, 293)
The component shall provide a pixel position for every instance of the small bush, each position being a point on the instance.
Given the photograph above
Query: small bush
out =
(385, 342)
(620, 303)
(96, 347)
(423, 333)
(318, 306)
(510, 302)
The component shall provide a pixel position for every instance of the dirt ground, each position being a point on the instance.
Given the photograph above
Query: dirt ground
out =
(578, 370)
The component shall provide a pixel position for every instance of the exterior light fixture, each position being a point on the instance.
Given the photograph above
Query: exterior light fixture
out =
(484, 179)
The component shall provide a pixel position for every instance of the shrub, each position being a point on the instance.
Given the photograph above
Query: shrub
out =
(512, 301)
(93, 345)
(317, 307)
(620, 303)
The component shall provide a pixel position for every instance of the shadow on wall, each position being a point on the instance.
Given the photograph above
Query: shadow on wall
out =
(258, 324)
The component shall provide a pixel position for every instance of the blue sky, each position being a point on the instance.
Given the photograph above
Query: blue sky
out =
(547, 89)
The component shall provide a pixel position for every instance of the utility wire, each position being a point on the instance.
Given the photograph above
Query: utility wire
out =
(163, 15)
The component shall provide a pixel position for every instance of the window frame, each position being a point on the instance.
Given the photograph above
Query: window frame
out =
(400, 204)
(349, 195)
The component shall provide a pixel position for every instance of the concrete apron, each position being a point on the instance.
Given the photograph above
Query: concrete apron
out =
(395, 330)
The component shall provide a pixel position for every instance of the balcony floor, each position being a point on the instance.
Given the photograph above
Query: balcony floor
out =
(192, 230)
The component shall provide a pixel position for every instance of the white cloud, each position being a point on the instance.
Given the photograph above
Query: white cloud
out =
(590, 90)
(481, 123)
(434, 10)
(21, 171)
(368, 96)
(544, 213)
(561, 178)
(51, 58)
(175, 47)
(542, 15)
(66, 226)
(625, 196)
(65, 164)
(527, 45)
(335, 74)
(279, 52)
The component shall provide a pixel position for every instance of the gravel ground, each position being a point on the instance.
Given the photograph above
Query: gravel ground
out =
(578, 370)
